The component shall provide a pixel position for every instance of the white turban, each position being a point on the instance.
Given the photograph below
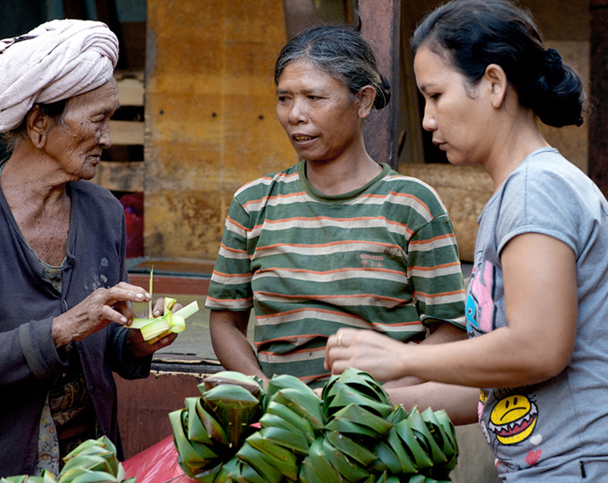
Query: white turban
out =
(55, 61)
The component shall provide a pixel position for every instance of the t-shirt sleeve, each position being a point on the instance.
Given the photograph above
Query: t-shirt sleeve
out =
(435, 275)
(537, 201)
(230, 285)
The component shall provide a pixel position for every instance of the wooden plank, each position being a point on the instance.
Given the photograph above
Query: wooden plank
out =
(380, 23)
(172, 284)
(210, 117)
(120, 176)
(127, 132)
(174, 276)
(181, 266)
(131, 91)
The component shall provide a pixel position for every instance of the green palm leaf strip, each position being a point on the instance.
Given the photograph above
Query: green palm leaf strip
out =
(153, 329)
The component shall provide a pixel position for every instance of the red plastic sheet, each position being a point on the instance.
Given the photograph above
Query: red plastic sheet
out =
(157, 464)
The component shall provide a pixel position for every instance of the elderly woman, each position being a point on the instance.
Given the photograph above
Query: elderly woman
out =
(337, 240)
(62, 278)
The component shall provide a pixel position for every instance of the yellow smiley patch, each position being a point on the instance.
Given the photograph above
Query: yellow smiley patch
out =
(513, 419)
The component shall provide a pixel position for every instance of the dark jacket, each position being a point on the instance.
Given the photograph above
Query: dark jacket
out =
(29, 362)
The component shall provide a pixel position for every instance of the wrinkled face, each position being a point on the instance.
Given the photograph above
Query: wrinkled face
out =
(317, 112)
(455, 112)
(77, 143)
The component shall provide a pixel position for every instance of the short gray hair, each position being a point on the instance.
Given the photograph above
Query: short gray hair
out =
(340, 52)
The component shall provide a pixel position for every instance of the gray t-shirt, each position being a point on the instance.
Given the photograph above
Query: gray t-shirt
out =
(548, 429)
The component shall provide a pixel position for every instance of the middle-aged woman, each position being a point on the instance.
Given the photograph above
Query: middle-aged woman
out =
(537, 301)
(337, 240)
(65, 300)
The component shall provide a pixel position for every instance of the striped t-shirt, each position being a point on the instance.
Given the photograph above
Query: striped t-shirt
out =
(382, 257)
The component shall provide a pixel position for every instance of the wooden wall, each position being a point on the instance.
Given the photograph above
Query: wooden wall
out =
(122, 167)
(210, 117)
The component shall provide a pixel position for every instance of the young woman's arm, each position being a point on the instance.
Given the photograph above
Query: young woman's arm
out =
(459, 402)
(541, 308)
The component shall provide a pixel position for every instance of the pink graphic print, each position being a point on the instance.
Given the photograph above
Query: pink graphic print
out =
(480, 305)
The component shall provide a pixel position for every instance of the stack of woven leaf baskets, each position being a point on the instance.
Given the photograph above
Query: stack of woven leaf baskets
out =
(93, 461)
(237, 432)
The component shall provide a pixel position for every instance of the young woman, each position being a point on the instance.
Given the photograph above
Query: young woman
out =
(538, 296)
(337, 240)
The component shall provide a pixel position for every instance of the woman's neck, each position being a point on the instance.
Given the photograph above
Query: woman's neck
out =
(41, 209)
(516, 141)
(27, 178)
(342, 175)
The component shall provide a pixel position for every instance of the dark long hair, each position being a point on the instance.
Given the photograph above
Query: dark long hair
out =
(471, 34)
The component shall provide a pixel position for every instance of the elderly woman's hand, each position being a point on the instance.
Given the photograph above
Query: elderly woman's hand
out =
(103, 306)
(142, 348)
(135, 341)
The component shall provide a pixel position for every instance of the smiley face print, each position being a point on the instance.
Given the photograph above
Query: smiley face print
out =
(513, 419)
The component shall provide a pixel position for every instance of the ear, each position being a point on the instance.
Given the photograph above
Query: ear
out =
(498, 83)
(38, 125)
(365, 98)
